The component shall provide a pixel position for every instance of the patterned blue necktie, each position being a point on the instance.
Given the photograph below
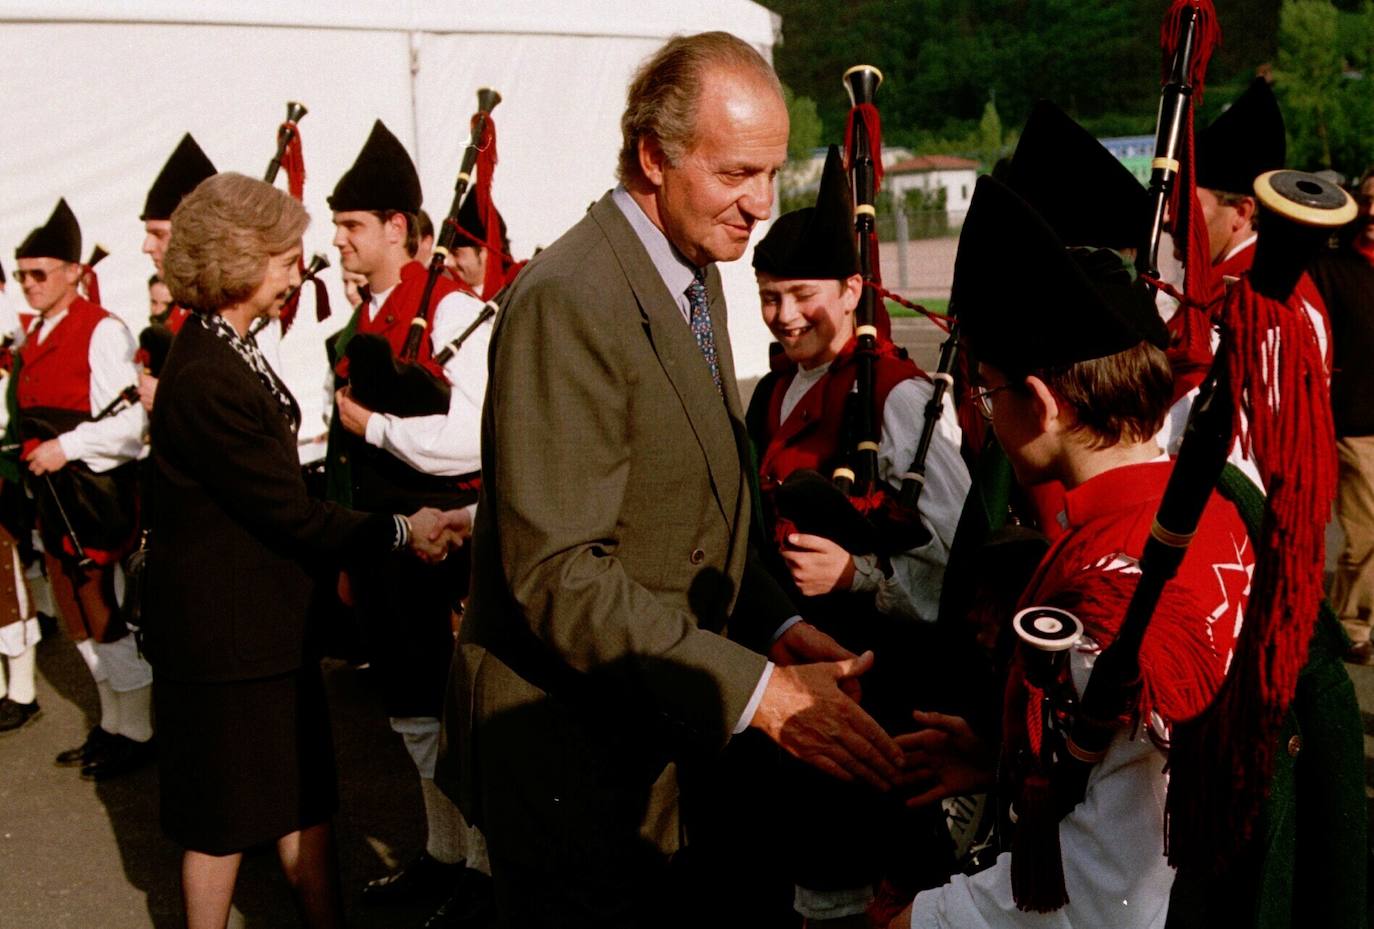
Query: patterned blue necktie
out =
(700, 320)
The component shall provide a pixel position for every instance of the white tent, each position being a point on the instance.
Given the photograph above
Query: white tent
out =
(97, 94)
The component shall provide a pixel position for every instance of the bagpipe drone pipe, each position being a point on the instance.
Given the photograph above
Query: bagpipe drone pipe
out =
(855, 508)
(288, 155)
(403, 386)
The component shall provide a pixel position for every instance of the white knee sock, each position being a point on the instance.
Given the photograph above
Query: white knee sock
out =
(109, 707)
(136, 713)
(448, 830)
(21, 676)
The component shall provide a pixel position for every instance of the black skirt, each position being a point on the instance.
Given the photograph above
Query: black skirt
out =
(244, 762)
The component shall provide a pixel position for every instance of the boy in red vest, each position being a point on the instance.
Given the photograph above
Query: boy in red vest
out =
(807, 268)
(75, 362)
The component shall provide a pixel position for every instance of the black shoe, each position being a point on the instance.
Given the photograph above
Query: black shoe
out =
(15, 716)
(123, 757)
(473, 906)
(423, 877)
(97, 740)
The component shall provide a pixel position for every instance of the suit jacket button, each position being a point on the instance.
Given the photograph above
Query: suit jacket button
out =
(343, 459)
(1294, 746)
(697, 556)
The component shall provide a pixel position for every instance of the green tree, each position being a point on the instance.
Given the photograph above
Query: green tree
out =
(806, 130)
(990, 134)
(1309, 78)
(796, 183)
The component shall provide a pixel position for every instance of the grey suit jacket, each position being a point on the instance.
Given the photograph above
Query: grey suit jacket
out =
(610, 548)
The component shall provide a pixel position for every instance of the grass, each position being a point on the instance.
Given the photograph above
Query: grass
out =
(938, 305)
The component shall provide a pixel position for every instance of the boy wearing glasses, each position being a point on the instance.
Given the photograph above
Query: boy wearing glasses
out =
(1076, 391)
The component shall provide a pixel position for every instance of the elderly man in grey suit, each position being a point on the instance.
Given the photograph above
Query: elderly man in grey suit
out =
(612, 537)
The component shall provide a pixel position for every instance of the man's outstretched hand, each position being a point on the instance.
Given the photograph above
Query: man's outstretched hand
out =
(805, 710)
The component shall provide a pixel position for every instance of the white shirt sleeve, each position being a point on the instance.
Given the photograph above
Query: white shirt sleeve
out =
(1112, 846)
(913, 590)
(449, 444)
(107, 443)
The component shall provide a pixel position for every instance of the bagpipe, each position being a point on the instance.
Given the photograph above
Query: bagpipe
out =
(1220, 761)
(311, 272)
(84, 516)
(855, 508)
(288, 155)
(402, 385)
(90, 283)
(1190, 33)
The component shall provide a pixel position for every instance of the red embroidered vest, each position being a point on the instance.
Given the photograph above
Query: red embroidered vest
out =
(393, 318)
(56, 373)
(812, 435)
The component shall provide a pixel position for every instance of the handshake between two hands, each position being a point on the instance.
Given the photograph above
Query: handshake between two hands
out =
(810, 707)
(434, 533)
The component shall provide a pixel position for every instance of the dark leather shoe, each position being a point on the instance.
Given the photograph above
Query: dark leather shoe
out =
(15, 716)
(97, 740)
(123, 757)
(423, 877)
(473, 906)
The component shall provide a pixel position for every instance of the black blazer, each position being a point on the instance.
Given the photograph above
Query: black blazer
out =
(235, 536)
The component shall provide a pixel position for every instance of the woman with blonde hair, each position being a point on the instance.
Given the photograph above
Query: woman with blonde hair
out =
(234, 542)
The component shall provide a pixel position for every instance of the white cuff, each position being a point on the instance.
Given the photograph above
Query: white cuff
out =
(71, 445)
(781, 630)
(868, 576)
(752, 706)
(375, 432)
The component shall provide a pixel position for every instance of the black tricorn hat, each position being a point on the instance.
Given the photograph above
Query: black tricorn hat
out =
(1243, 142)
(1025, 302)
(815, 242)
(59, 237)
(382, 177)
(1082, 190)
(182, 173)
(470, 221)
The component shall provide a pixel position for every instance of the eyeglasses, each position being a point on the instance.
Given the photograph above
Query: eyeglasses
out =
(37, 275)
(982, 397)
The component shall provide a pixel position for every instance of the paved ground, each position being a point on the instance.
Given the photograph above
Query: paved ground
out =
(75, 855)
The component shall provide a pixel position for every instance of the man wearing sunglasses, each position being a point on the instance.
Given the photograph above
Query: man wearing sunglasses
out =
(76, 360)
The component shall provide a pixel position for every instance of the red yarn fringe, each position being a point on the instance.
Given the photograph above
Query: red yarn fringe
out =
(90, 283)
(866, 114)
(1283, 419)
(498, 262)
(293, 161)
(1206, 40)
